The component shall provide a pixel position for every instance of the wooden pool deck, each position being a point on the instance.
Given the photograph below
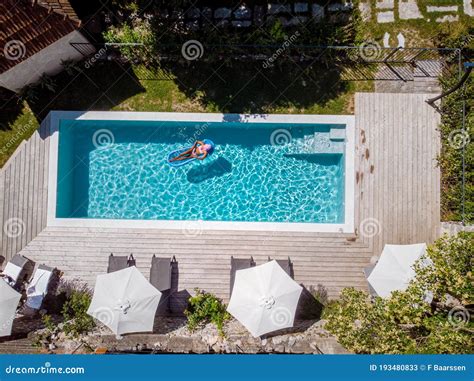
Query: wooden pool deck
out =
(397, 200)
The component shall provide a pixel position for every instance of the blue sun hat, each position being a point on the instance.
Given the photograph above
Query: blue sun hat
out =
(211, 143)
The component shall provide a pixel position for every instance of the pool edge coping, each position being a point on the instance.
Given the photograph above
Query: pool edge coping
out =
(192, 226)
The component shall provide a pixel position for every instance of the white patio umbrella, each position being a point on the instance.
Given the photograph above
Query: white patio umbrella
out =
(125, 301)
(394, 270)
(9, 300)
(264, 298)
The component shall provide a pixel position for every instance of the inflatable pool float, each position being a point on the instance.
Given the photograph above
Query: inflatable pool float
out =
(180, 163)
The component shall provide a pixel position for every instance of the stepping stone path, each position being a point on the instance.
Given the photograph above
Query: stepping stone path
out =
(365, 9)
(243, 13)
(385, 17)
(245, 16)
(385, 10)
(448, 18)
(469, 7)
(222, 13)
(193, 13)
(301, 7)
(442, 8)
(408, 10)
(450, 12)
(317, 11)
(292, 14)
(274, 9)
(400, 40)
(385, 4)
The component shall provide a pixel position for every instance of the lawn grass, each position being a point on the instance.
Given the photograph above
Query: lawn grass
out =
(13, 134)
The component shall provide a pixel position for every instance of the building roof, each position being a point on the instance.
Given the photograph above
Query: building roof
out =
(27, 27)
(60, 6)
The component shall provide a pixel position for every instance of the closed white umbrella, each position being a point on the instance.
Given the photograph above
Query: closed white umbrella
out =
(394, 270)
(264, 298)
(125, 301)
(9, 300)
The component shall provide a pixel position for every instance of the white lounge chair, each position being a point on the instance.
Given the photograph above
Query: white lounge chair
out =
(38, 287)
(14, 270)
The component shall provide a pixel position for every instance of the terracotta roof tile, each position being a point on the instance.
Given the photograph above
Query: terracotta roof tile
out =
(60, 6)
(26, 28)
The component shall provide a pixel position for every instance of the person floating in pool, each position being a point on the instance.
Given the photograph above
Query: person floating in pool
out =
(199, 151)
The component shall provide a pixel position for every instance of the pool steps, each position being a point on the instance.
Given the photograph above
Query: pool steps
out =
(337, 134)
(331, 142)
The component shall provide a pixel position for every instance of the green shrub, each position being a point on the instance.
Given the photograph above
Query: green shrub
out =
(42, 338)
(76, 319)
(450, 159)
(139, 32)
(406, 322)
(206, 308)
(451, 271)
(48, 322)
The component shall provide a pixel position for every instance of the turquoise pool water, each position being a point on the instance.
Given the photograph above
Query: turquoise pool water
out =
(258, 173)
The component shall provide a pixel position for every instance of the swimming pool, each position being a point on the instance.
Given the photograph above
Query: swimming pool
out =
(266, 170)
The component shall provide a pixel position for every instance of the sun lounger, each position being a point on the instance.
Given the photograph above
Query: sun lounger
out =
(238, 264)
(160, 276)
(160, 273)
(367, 271)
(14, 272)
(120, 262)
(286, 265)
(38, 287)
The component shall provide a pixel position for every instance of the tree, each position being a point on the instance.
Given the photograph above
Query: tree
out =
(431, 316)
